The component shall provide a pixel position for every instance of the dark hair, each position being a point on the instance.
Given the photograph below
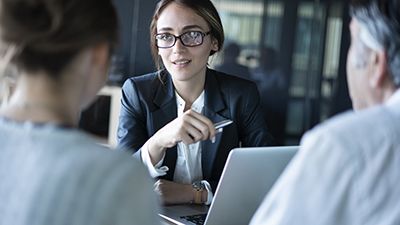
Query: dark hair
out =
(47, 34)
(382, 20)
(203, 8)
(268, 58)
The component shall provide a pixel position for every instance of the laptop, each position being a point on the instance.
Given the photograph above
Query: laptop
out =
(248, 175)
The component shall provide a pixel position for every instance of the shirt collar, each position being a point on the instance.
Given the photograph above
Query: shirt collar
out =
(197, 105)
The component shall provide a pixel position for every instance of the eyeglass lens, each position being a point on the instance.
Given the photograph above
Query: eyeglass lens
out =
(190, 39)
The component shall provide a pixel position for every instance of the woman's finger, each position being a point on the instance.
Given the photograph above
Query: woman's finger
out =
(209, 129)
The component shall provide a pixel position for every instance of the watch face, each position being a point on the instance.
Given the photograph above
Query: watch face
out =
(198, 185)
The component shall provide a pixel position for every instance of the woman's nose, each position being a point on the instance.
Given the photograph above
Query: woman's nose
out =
(178, 47)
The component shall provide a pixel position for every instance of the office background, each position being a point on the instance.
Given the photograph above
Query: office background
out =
(310, 38)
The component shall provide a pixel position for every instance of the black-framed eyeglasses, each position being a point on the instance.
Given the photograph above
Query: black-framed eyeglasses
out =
(188, 39)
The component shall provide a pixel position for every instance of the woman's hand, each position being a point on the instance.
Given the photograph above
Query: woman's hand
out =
(188, 128)
(173, 193)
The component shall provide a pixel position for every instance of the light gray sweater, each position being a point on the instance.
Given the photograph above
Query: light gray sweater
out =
(52, 175)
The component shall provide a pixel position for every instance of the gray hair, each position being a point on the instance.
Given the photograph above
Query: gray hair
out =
(381, 18)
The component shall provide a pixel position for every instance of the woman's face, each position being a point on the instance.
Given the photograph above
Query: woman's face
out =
(182, 62)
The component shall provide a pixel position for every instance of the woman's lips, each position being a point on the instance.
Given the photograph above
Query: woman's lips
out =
(181, 62)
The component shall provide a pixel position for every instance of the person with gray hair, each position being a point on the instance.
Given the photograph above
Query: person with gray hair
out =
(347, 169)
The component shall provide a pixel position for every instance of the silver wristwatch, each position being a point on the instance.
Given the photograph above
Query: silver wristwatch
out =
(198, 188)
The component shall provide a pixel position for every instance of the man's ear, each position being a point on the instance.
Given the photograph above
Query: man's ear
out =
(379, 69)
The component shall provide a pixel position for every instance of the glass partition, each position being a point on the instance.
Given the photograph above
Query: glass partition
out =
(302, 40)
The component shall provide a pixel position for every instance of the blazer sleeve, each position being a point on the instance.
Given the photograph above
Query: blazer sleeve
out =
(132, 132)
(254, 131)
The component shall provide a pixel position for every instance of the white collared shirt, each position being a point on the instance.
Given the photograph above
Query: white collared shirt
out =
(188, 163)
(346, 172)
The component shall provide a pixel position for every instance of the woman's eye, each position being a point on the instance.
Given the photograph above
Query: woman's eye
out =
(164, 37)
(194, 34)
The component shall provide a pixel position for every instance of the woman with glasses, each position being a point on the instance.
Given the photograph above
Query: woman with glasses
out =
(167, 117)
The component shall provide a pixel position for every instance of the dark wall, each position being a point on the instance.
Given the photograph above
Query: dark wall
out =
(134, 51)
(342, 101)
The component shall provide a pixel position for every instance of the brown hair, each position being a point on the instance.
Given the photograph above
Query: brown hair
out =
(47, 34)
(203, 8)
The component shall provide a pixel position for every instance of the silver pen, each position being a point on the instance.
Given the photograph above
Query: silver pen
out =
(218, 126)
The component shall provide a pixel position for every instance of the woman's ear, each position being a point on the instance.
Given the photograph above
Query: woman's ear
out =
(94, 72)
(214, 45)
(100, 55)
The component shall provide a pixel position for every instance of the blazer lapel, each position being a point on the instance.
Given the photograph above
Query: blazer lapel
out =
(165, 113)
(213, 104)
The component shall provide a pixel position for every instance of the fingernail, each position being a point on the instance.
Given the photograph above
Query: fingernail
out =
(213, 140)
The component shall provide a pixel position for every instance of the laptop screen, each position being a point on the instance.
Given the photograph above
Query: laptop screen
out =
(248, 175)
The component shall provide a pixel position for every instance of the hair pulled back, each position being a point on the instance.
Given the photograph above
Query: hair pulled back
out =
(45, 35)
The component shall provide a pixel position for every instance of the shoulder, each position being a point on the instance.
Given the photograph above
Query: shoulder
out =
(354, 132)
(72, 164)
(337, 127)
(146, 79)
(144, 87)
(114, 180)
(352, 122)
(99, 164)
(84, 151)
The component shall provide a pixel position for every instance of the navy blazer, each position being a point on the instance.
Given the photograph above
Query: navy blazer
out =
(149, 103)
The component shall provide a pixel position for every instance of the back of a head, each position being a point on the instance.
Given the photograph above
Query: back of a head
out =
(232, 50)
(45, 35)
(381, 18)
(268, 58)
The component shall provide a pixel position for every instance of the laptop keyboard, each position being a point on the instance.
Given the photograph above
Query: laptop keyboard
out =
(197, 219)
